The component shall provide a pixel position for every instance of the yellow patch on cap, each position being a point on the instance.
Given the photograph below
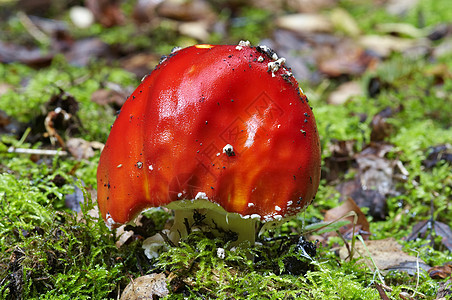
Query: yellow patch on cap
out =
(204, 46)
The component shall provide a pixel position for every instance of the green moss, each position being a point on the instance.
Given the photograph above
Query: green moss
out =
(426, 13)
(252, 25)
(48, 251)
(32, 89)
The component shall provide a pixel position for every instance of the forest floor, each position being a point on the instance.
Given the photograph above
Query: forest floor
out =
(378, 74)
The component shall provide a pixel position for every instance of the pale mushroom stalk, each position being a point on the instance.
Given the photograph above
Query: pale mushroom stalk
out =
(213, 217)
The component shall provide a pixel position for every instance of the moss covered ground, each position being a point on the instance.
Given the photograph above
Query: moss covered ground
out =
(50, 251)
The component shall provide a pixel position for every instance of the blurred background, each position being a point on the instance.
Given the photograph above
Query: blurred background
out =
(319, 39)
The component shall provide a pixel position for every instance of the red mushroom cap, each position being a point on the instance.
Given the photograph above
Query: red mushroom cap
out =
(224, 123)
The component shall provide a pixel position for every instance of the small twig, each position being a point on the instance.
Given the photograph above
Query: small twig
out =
(37, 151)
(32, 29)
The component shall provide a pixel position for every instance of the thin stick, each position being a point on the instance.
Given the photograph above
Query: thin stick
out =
(32, 29)
(37, 151)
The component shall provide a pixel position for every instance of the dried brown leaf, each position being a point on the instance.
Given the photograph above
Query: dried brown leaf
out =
(345, 92)
(381, 128)
(361, 226)
(384, 45)
(82, 149)
(33, 57)
(146, 287)
(107, 12)
(428, 229)
(372, 199)
(381, 291)
(187, 11)
(387, 255)
(440, 272)
(345, 58)
(340, 160)
(437, 154)
(304, 23)
(345, 22)
(107, 96)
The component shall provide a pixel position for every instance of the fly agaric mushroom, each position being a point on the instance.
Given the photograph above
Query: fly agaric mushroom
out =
(219, 131)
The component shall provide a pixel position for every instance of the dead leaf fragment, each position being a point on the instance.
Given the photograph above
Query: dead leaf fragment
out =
(344, 92)
(385, 45)
(381, 291)
(307, 6)
(82, 149)
(146, 287)
(108, 96)
(400, 29)
(382, 129)
(198, 30)
(372, 199)
(345, 58)
(304, 23)
(440, 272)
(400, 7)
(428, 229)
(437, 154)
(342, 156)
(193, 10)
(362, 225)
(107, 12)
(387, 255)
(343, 21)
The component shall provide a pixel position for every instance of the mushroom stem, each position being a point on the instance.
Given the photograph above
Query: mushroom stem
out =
(200, 214)
(206, 215)
(239, 228)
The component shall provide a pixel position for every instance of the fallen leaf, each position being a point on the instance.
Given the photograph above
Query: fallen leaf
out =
(340, 160)
(9, 125)
(372, 199)
(381, 291)
(443, 49)
(375, 171)
(187, 11)
(33, 57)
(146, 287)
(83, 51)
(437, 154)
(428, 229)
(400, 7)
(345, 58)
(387, 255)
(82, 149)
(381, 129)
(107, 12)
(284, 43)
(198, 30)
(440, 31)
(384, 45)
(345, 92)
(304, 23)
(400, 29)
(75, 200)
(344, 21)
(361, 226)
(107, 96)
(308, 6)
(440, 272)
